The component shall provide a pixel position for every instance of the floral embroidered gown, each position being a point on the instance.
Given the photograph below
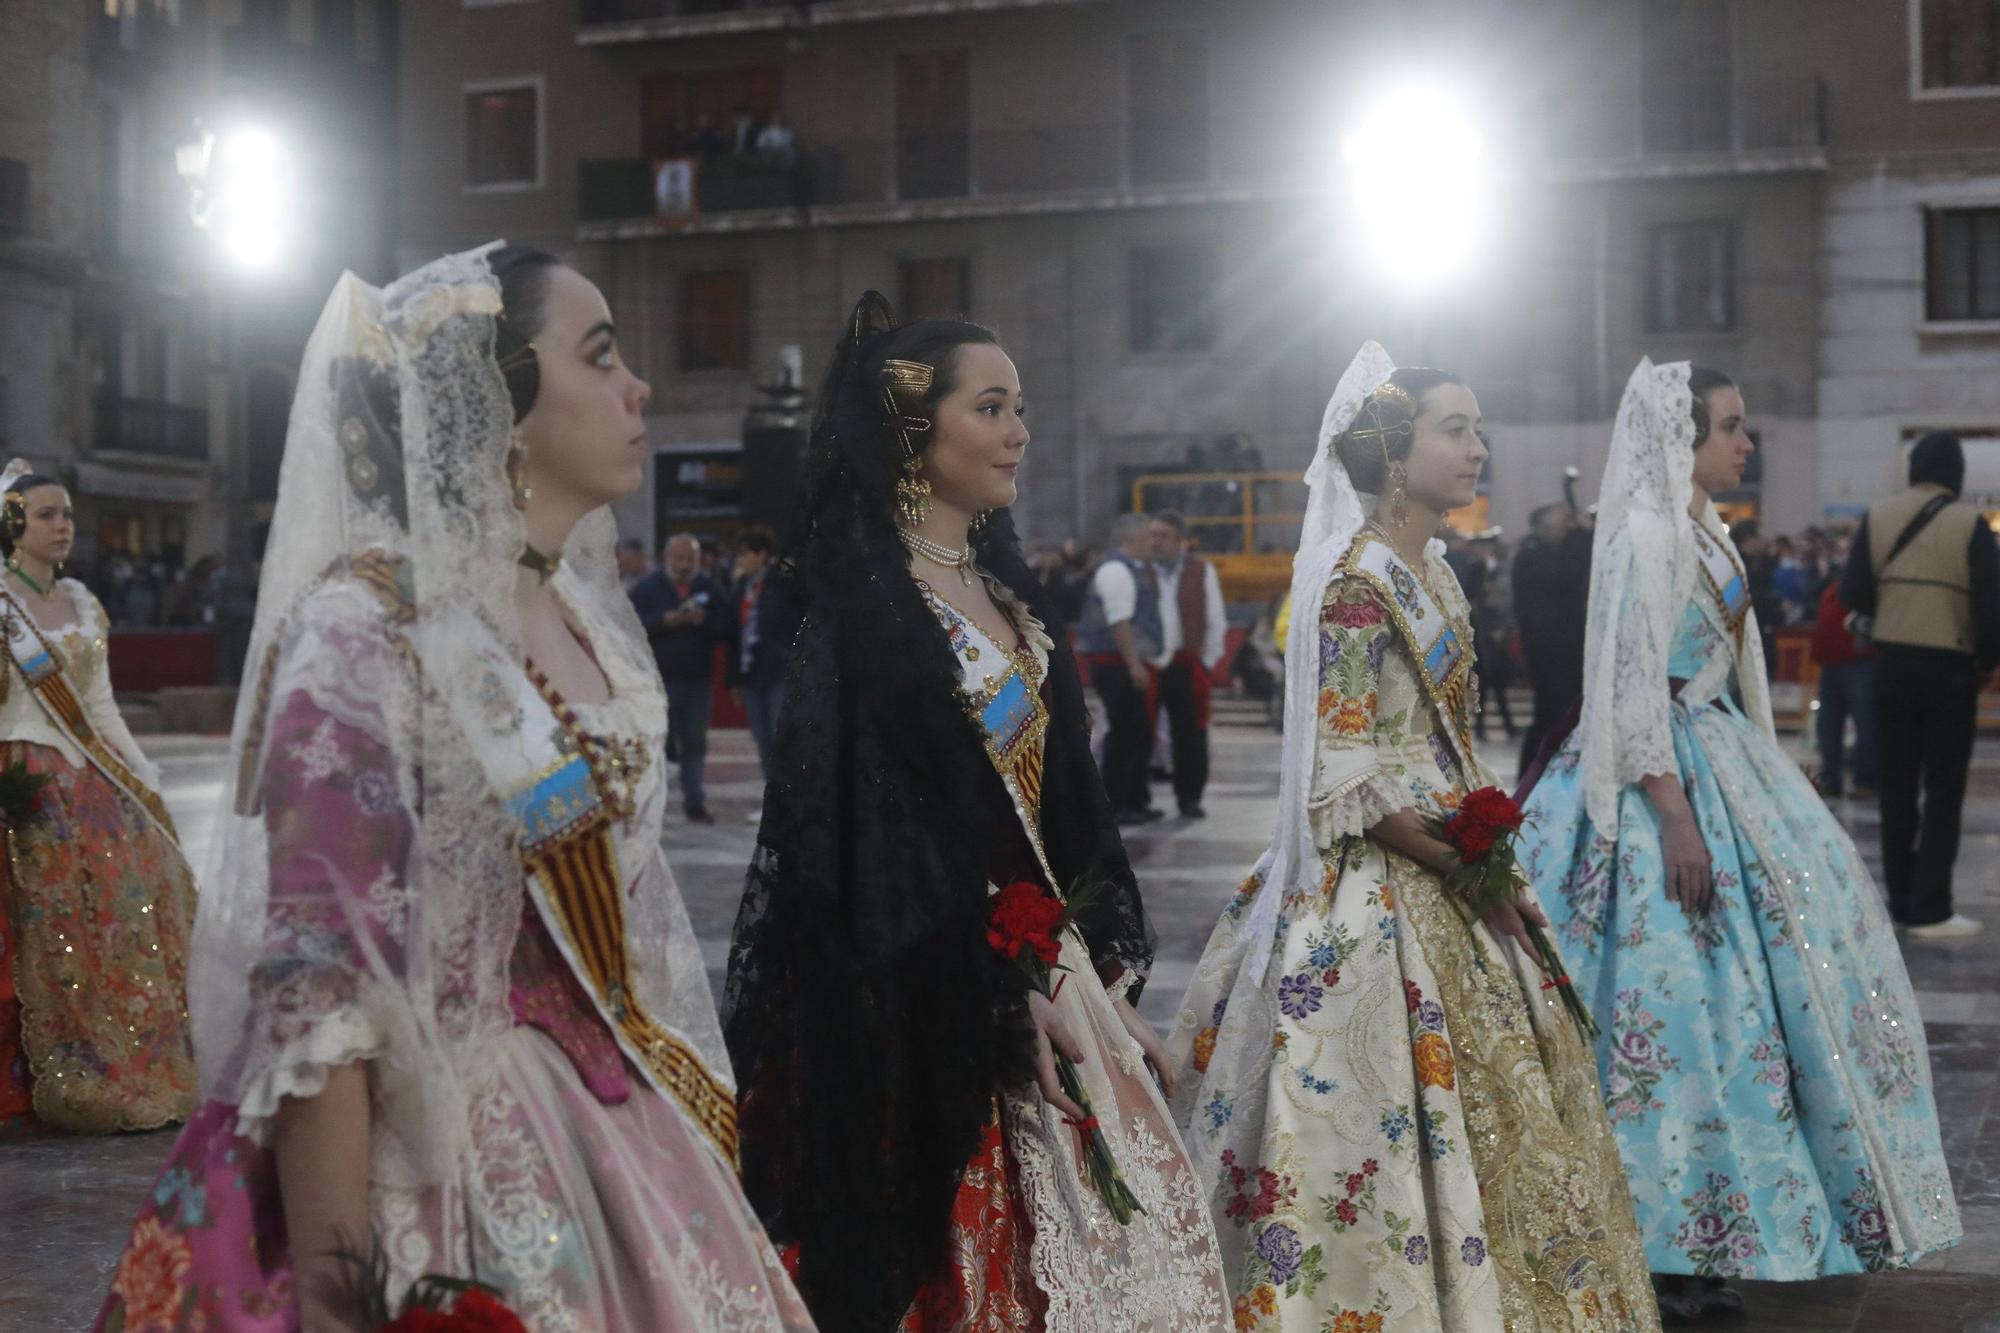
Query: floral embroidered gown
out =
(94, 920)
(590, 1201)
(1764, 1066)
(1402, 1130)
(1032, 1246)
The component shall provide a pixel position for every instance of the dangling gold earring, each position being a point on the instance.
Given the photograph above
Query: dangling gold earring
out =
(979, 520)
(1399, 509)
(913, 493)
(517, 467)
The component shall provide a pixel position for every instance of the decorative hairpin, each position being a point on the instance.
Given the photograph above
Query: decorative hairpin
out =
(904, 384)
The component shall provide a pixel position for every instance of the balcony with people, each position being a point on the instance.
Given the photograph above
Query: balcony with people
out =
(620, 22)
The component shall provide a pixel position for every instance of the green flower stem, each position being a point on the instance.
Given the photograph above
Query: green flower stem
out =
(1099, 1164)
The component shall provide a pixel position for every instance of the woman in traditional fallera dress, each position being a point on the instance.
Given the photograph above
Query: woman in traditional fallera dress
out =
(449, 1008)
(98, 900)
(1397, 1125)
(1762, 1053)
(904, 1127)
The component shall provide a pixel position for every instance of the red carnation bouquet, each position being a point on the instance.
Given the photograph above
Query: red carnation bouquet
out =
(433, 1304)
(1025, 924)
(1482, 833)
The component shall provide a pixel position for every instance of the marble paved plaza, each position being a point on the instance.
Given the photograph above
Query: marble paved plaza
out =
(65, 1204)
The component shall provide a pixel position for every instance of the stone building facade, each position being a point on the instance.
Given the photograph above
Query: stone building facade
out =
(1145, 198)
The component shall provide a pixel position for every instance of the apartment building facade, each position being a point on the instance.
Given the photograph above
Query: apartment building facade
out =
(122, 336)
(1146, 199)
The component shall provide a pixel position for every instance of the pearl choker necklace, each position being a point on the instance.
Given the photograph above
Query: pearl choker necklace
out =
(940, 553)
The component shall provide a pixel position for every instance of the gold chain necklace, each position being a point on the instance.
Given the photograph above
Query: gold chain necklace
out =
(940, 553)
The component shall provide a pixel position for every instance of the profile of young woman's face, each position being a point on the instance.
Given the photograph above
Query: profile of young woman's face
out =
(1447, 449)
(586, 433)
(1720, 459)
(979, 433)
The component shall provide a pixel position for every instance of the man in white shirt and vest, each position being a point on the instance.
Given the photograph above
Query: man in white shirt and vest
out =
(1193, 625)
(1924, 577)
(1120, 641)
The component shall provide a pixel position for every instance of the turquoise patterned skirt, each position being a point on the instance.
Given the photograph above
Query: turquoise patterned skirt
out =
(1764, 1067)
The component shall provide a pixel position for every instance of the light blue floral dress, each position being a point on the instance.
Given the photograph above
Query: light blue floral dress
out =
(1764, 1067)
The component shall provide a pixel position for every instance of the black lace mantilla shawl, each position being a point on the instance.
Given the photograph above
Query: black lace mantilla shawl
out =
(869, 1022)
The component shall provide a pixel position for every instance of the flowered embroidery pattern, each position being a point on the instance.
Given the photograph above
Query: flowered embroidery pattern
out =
(1785, 1007)
(1637, 1061)
(1719, 1236)
(1774, 1070)
(1866, 1228)
(1336, 1114)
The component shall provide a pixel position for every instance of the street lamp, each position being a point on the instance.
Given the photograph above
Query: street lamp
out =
(239, 195)
(1416, 170)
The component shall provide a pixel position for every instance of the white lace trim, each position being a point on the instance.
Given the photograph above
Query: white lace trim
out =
(301, 1067)
(1358, 804)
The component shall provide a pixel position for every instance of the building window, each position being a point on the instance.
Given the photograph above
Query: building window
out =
(1166, 75)
(1962, 264)
(935, 288)
(1687, 73)
(1690, 280)
(1173, 306)
(503, 135)
(933, 125)
(715, 321)
(1957, 46)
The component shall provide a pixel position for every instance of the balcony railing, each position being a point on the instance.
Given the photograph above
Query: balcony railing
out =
(1073, 166)
(144, 426)
(603, 22)
(1695, 118)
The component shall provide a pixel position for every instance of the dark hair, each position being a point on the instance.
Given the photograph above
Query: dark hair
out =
(523, 273)
(757, 538)
(1701, 383)
(631, 544)
(1367, 458)
(1938, 459)
(1745, 529)
(847, 495)
(14, 513)
(1172, 519)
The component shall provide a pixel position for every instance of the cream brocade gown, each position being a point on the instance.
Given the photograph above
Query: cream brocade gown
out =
(1398, 1128)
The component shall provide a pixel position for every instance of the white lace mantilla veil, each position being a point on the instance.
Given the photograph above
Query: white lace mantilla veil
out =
(412, 362)
(1643, 573)
(1335, 511)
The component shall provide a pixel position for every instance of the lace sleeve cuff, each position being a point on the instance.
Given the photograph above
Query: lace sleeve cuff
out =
(299, 1068)
(1355, 804)
(1118, 979)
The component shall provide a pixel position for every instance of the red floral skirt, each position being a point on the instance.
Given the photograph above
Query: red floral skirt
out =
(986, 1281)
(93, 961)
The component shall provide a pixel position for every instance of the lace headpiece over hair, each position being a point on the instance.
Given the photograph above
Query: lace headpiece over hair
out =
(13, 503)
(388, 601)
(1335, 512)
(1642, 577)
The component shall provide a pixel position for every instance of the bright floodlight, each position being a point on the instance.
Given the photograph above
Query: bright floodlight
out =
(251, 190)
(1414, 168)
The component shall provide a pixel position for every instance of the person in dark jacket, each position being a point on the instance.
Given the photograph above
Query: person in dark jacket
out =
(684, 618)
(1551, 606)
(1925, 573)
(1846, 690)
(763, 623)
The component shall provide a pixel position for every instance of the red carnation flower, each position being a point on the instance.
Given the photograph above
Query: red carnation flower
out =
(475, 1311)
(1025, 916)
(1482, 817)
